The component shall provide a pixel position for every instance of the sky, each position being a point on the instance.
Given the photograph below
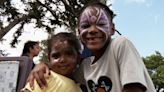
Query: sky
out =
(141, 21)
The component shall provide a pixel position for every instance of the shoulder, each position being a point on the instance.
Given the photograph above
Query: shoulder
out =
(61, 83)
(120, 40)
(87, 60)
(121, 45)
(59, 78)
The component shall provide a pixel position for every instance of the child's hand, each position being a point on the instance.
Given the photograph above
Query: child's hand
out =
(40, 72)
(134, 87)
(25, 90)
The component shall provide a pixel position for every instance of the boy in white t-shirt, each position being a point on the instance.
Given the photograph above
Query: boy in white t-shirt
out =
(115, 65)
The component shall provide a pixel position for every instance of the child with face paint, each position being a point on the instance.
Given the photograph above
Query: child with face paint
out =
(63, 52)
(115, 65)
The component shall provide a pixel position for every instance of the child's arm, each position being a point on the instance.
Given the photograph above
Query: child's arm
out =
(40, 73)
(134, 87)
(25, 90)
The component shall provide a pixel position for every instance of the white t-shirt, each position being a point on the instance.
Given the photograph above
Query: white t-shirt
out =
(119, 65)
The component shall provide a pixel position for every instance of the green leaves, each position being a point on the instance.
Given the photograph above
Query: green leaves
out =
(155, 66)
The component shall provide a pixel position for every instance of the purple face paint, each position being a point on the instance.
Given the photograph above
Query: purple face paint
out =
(93, 19)
(87, 18)
(94, 15)
(103, 21)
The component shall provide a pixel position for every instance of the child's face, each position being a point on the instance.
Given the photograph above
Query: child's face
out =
(63, 58)
(94, 27)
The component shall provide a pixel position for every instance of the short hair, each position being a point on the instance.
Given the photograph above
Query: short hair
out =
(27, 46)
(64, 36)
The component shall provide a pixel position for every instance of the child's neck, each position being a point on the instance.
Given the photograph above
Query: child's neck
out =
(100, 52)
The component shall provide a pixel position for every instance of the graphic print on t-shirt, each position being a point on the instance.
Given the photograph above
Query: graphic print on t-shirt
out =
(104, 85)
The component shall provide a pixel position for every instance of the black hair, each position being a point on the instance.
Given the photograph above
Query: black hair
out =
(101, 5)
(69, 37)
(27, 46)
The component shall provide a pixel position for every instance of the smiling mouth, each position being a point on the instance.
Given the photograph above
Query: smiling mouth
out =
(93, 38)
(63, 67)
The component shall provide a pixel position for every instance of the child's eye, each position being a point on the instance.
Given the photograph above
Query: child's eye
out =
(100, 24)
(55, 56)
(85, 26)
(70, 53)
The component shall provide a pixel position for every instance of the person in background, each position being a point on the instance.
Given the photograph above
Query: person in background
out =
(63, 55)
(115, 64)
(31, 49)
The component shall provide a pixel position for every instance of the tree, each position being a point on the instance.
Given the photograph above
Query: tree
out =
(155, 66)
(46, 14)
(3, 53)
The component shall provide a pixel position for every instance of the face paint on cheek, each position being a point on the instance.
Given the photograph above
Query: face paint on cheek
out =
(103, 22)
(83, 22)
(106, 28)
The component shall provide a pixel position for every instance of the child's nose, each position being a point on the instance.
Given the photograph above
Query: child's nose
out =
(93, 30)
(62, 59)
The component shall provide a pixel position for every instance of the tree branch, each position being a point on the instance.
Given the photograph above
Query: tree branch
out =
(11, 25)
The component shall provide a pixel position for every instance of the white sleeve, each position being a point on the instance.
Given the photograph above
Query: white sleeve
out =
(131, 64)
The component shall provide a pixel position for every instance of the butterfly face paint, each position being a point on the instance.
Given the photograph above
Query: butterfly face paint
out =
(94, 16)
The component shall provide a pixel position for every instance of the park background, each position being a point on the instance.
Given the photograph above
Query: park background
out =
(142, 21)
